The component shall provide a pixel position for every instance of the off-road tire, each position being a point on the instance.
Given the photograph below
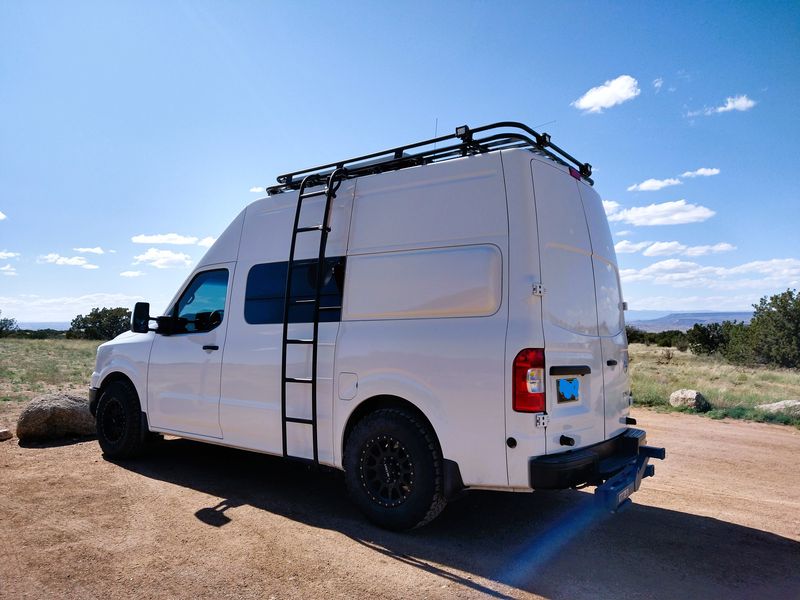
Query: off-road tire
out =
(119, 421)
(393, 470)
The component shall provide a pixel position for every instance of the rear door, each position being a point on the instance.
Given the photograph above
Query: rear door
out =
(573, 356)
(611, 325)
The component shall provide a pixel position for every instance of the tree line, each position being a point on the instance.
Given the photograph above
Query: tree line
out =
(99, 324)
(771, 338)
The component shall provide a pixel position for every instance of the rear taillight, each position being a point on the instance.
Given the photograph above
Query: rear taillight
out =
(529, 381)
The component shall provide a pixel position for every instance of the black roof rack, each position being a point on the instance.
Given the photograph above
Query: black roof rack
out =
(497, 136)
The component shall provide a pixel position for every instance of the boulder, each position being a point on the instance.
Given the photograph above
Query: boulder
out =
(790, 407)
(55, 416)
(689, 399)
(5, 434)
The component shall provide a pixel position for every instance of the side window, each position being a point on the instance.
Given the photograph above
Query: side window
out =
(201, 307)
(266, 286)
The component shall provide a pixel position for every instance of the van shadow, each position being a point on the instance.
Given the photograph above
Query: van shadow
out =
(550, 543)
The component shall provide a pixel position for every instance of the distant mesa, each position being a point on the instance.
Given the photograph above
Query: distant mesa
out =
(685, 321)
(57, 325)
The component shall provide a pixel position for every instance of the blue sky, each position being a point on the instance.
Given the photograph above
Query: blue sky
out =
(124, 122)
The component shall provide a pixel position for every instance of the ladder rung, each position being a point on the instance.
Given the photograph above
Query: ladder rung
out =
(302, 300)
(299, 341)
(299, 420)
(299, 380)
(312, 228)
(314, 194)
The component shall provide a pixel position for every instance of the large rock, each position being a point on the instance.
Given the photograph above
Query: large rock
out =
(790, 407)
(55, 416)
(689, 399)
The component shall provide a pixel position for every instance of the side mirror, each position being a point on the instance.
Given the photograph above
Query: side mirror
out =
(166, 325)
(141, 317)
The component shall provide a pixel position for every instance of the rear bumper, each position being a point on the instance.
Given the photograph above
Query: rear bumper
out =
(617, 466)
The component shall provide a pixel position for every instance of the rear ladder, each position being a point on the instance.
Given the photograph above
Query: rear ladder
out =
(334, 180)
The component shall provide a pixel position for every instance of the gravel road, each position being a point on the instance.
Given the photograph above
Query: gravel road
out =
(721, 519)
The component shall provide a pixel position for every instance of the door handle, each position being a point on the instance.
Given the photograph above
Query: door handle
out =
(210, 347)
(611, 363)
(571, 370)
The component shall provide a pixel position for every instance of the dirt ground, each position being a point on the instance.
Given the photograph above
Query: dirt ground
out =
(721, 519)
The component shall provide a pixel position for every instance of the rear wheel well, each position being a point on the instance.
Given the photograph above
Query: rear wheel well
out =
(379, 402)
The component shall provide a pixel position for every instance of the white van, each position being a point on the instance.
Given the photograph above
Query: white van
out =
(465, 331)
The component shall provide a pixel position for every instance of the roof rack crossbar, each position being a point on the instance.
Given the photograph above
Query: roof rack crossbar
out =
(397, 158)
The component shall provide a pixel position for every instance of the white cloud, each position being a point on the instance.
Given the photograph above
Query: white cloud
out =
(2, 216)
(657, 83)
(739, 103)
(163, 259)
(165, 238)
(664, 249)
(671, 248)
(131, 274)
(256, 189)
(622, 233)
(4, 254)
(727, 302)
(677, 212)
(613, 92)
(713, 249)
(207, 242)
(72, 261)
(610, 206)
(765, 274)
(626, 247)
(8, 271)
(95, 250)
(701, 172)
(30, 307)
(652, 185)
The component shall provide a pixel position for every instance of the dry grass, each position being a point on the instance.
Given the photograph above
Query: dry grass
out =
(32, 367)
(733, 390)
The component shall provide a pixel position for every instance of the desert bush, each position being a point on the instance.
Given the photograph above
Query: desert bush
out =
(100, 324)
(774, 331)
(7, 326)
(635, 335)
(706, 339)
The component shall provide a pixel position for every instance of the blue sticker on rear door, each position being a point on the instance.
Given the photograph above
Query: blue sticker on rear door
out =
(568, 390)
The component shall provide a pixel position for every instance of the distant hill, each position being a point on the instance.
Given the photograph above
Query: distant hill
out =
(685, 321)
(58, 326)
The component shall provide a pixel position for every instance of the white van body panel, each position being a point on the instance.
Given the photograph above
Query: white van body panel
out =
(437, 300)
(610, 322)
(449, 365)
(183, 384)
(525, 309)
(569, 315)
(127, 354)
(250, 405)
(458, 281)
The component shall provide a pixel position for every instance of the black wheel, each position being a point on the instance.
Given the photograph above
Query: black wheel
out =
(393, 470)
(119, 421)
